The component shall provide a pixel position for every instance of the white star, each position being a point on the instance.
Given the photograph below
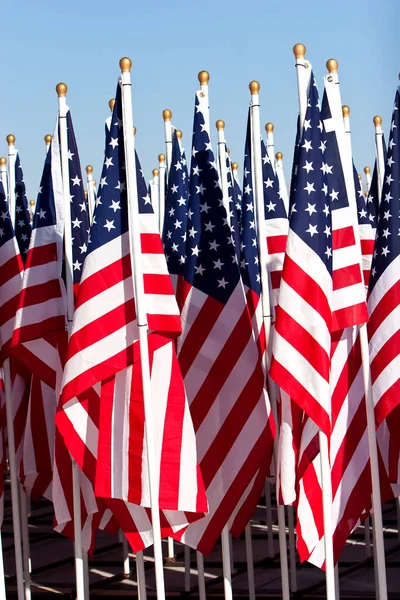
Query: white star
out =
(83, 248)
(120, 185)
(178, 166)
(175, 247)
(310, 208)
(76, 223)
(181, 201)
(209, 226)
(204, 208)
(389, 179)
(390, 161)
(326, 168)
(322, 147)
(83, 207)
(249, 207)
(24, 237)
(77, 265)
(308, 166)
(103, 182)
(115, 205)
(108, 162)
(307, 145)
(269, 183)
(42, 214)
(178, 224)
(199, 270)
(171, 212)
(363, 213)
(247, 189)
(327, 231)
(373, 271)
(309, 188)
(192, 232)
(214, 245)
(307, 124)
(190, 213)
(76, 181)
(21, 223)
(391, 144)
(1, 232)
(312, 229)
(328, 252)
(325, 189)
(113, 142)
(174, 189)
(387, 215)
(147, 199)
(326, 210)
(200, 189)
(182, 259)
(385, 251)
(195, 251)
(271, 206)
(109, 225)
(386, 233)
(70, 155)
(334, 195)
(218, 264)
(18, 208)
(222, 283)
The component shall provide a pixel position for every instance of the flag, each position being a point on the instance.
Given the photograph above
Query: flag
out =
(384, 285)
(22, 217)
(233, 213)
(219, 357)
(366, 230)
(103, 353)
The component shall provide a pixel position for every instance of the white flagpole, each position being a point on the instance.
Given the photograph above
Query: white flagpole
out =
(187, 560)
(3, 174)
(249, 560)
(80, 572)
(90, 191)
(268, 516)
(162, 186)
(137, 272)
(269, 128)
(254, 87)
(25, 541)
(333, 92)
(47, 141)
(235, 171)
(282, 182)
(292, 549)
(367, 172)
(200, 575)
(380, 158)
(303, 78)
(220, 125)
(16, 514)
(140, 576)
(154, 194)
(179, 135)
(167, 116)
(12, 155)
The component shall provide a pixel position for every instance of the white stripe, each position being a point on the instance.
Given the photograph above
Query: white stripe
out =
(386, 281)
(120, 435)
(82, 424)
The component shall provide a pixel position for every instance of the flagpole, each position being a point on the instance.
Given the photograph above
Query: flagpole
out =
(200, 575)
(162, 179)
(380, 157)
(367, 172)
(16, 514)
(141, 316)
(3, 174)
(12, 155)
(254, 87)
(250, 563)
(220, 125)
(303, 78)
(61, 90)
(31, 209)
(154, 194)
(282, 182)
(90, 191)
(167, 116)
(269, 128)
(347, 166)
(47, 141)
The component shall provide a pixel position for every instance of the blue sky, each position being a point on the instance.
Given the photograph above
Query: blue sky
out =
(80, 43)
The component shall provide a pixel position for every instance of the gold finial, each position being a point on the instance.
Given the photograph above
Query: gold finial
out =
(367, 170)
(134, 130)
(299, 50)
(345, 110)
(228, 151)
(167, 114)
(86, 193)
(3, 161)
(161, 158)
(220, 125)
(377, 121)
(31, 203)
(359, 177)
(89, 169)
(235, 166)
(125, 64)
(254, 87)
(61, 89)
(111, 104)
(203, 77)
(269, 127)
(155, 172)
(47, 139)
(279, 156)
(332, 65)
(10, 139)
(179, 134)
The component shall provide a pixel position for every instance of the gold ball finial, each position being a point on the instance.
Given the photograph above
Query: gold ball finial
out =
(203, 77)
(367, 170)
(235, 166)
(10, 139)
(167, 114)
(228, 151)
(89, 169)
(269, 127)
(47, 139)
(134, 130)
(179, 134)
(254, 87)
(377, 120)
(220, 125)
(359, 177)
(31, 203)
(86, 193)
(125, 64)
(299, 50)
(61, 89)
(155, 172)
(332, 65)
(111, 104)
(345, 110)
(3, 161)
(279, 156)
(161, 158)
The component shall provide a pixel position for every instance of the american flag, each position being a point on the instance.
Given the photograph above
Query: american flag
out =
(384, 285)
(233, 213)
(366, 230)
(176, 215)
(301, 346)
(22, 218)
(219, 357)
(373, 199)
(106, 436)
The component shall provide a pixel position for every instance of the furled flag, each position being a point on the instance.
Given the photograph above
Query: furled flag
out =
(219, 357)
(366, 230)
(301, 346)
(373, 199)
(384, 285)
(233, 213)
(175, 221)
(106, 436)
(22, 218)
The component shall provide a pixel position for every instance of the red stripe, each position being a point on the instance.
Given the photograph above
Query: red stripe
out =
(41, 255)
(37, 294)
(10, 269)
(105, 278)
(35, 331)
(387, 402)
(343, 238)
(104, 466)
(276, 244)
(367, 247)
(385, 306)
(136, 436)
(8, 310)
(347, 376)
(151, 243)
(346, 276)
(387, 353)
(349, 316)
(276, 277)
(158, 284)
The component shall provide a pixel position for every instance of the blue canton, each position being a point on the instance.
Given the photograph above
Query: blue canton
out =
(273, 202)
(387, 244)
(362, 212)
(45, 211)
(6, 228)
(22, 218)
(233, 212)
(373, 194)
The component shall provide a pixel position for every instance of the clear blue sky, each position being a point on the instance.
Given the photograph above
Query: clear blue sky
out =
(80, 43)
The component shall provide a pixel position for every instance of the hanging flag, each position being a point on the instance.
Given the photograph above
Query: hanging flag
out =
(218, 354)
(366, 230)
(22, 217)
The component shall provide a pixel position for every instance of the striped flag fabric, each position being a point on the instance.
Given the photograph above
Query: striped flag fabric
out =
(366, 230)
(103, 352)
(22, 218)
(219, 356)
